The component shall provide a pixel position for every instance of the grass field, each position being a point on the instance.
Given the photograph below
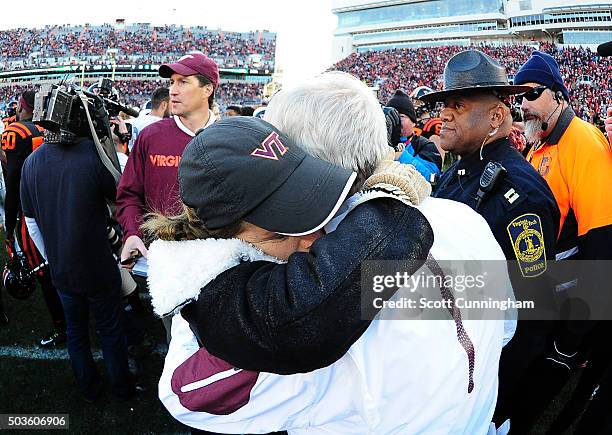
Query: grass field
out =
(36, 381)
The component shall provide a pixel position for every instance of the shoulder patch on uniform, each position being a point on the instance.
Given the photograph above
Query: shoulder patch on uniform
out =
(527, 239)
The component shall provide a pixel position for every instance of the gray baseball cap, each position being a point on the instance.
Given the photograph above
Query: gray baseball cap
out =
(243, 168)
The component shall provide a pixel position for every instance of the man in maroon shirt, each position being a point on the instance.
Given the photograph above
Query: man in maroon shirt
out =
(149, 182)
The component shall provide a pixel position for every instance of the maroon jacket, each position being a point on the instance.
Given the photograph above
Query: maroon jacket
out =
(150, 180)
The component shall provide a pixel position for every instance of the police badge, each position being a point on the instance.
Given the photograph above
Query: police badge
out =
(525, 232)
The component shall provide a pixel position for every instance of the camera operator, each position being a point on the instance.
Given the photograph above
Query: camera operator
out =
(19, 140)
(121, 138)
(65, 187)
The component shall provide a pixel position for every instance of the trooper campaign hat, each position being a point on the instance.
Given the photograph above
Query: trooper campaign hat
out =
(472, 70)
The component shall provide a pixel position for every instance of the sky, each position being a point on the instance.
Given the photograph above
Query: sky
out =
(304, 28)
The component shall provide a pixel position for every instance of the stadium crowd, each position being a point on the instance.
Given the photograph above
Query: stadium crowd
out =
(135, 44)
(138, 92)
(588, 77)
(252, 234)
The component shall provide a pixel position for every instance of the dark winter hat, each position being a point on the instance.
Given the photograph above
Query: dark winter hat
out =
(403, 104)
(27, 100)
(542, 68)
(243, 168)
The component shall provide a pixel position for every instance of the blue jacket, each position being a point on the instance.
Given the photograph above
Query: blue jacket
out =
(423, 155)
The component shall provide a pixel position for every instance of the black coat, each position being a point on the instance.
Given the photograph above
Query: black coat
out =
(304, 315)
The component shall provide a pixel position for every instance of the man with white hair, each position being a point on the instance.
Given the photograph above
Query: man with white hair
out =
(409, 376)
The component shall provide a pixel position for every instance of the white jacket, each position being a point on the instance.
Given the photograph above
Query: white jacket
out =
(400, 377)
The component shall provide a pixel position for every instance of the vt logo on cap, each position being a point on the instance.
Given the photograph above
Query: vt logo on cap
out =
(222, 180)
(266, 151)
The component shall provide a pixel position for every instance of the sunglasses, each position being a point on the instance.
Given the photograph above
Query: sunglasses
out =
(531, 95)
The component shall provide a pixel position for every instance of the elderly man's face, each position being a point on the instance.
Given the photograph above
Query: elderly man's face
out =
(465, 123)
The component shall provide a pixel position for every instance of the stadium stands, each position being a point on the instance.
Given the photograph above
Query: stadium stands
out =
(138, 44)
(132, 44)
(137, 92)
(587, 76)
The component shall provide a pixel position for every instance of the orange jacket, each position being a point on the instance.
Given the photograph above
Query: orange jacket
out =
(576, 162)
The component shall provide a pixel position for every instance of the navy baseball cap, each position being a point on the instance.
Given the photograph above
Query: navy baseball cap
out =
(243, 168)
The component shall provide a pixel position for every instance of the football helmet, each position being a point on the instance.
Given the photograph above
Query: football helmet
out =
(11, 108)
(18, 279)
(420, 106)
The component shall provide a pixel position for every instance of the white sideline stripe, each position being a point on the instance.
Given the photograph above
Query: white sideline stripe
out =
(36, 353)
(209, 380)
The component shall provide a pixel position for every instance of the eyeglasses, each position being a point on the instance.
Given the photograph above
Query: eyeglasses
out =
(531, 95)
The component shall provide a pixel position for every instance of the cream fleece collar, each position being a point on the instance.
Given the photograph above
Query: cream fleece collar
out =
(178, 270)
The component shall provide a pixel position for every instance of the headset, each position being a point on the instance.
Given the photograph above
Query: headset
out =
(558, 95)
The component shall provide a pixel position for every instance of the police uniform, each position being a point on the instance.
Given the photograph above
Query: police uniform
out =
(522, 213)
(521, 210)
(524, 218)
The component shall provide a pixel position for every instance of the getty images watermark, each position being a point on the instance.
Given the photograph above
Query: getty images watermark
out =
(487, 290)
(460, 284)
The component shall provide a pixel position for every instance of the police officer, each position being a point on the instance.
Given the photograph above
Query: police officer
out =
(495, 180)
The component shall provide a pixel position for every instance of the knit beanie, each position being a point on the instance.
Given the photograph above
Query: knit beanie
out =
(402, 103)
(27, 100)
(542, 68)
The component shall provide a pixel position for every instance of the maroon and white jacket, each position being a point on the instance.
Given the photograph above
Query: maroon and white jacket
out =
(400, 376)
